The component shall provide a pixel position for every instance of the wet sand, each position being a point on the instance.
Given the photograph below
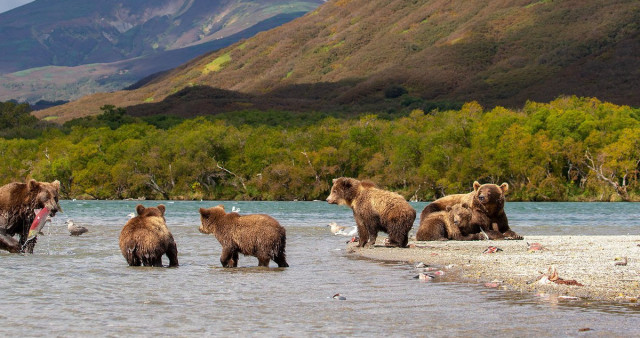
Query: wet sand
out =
(596, 262)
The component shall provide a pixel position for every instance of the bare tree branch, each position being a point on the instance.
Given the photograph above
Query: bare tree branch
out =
(311, 166)
(620, 189)
(154, 186)
(232, 173)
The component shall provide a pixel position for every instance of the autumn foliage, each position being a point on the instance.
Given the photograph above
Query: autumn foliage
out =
(569, 149)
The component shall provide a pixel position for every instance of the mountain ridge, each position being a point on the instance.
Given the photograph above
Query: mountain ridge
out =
(497, 53)
(69, 36)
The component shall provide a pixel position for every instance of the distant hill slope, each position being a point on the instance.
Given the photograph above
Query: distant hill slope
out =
(356, 51)
(67, 48)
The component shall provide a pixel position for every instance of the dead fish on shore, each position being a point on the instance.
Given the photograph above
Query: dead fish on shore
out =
(491, 249)
(424, 277)
(353, 239)
(533, 247)
(620, 261)
(494, 284)
(552, 276)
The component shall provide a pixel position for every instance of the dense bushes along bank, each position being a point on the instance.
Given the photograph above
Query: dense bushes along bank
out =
(569, 149)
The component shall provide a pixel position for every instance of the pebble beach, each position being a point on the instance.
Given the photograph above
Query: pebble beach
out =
(599, 268)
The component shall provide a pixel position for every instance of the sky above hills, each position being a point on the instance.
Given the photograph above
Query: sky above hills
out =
(6, 5)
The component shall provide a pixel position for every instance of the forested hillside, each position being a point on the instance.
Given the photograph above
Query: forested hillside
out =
(569, 149)
(386, 55)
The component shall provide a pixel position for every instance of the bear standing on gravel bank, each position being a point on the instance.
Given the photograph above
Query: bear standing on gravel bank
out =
(452, 223)
(257, 235)
(487, 205)
(145, 238)
(374, 210)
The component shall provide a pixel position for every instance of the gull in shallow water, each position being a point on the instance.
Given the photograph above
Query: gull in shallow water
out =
(131, 215)
(342, 230)
(74, 229)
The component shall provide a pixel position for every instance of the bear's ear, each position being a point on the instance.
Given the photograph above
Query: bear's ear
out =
(348, 183)
(32, 185)
(162, 208)
(334, 180)
(448, 208)
(504, 187)
(56, 184)
(465, 205)
(203, 212)
(220, 206)
(476, 185)
(140, 209)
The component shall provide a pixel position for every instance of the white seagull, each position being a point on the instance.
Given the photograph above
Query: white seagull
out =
(75, 230)
(342, 230)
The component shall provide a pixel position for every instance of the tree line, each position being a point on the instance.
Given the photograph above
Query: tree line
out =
(575, 149)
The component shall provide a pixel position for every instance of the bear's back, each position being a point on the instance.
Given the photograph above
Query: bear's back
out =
(257, 226)
(384, 202)
(150, 229)
(12, 194)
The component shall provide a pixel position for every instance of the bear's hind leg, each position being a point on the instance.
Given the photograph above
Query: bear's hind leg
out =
(172, 254)
(373, 236)
(235, 259)
(133, 261)
(432, 230)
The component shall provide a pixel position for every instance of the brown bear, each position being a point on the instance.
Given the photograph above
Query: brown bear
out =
(452, 223)
(257, 235)
(487, 205)
(18, 202)
(145, 238)
(374, 210)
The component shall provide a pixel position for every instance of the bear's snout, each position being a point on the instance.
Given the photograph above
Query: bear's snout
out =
(54, 208)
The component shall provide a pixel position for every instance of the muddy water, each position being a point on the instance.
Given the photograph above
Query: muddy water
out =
(81, 286)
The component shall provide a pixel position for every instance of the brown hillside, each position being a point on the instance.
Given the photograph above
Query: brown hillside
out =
(496, 52)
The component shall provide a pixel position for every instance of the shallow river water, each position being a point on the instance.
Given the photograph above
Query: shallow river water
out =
(82, 286)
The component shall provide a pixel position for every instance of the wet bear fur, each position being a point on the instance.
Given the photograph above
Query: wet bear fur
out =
(146, 237)
(257, 235)
(487, 205)
(374, 210)
(452, 223)
(18, 202)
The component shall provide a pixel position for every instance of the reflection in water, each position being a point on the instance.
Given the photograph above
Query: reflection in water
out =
(81, 286)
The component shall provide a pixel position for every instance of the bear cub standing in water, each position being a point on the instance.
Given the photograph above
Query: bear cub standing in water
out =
(145, 238)
(374, 210)
(257, 235)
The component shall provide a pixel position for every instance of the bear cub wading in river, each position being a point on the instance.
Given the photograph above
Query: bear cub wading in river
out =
(145, 238)
(18, 202)
(255, 235)
(487, 206)
(452, 223)
(374, 210)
